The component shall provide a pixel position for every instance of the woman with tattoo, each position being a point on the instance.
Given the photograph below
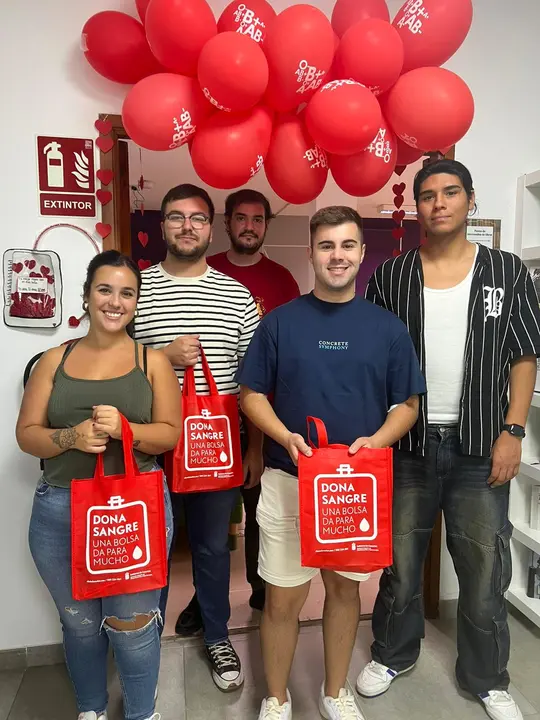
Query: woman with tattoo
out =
(70, 413)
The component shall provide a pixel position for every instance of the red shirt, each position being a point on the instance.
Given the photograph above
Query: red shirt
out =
(270, 283)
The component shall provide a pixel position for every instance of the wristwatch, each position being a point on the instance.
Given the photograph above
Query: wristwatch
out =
(515, 430)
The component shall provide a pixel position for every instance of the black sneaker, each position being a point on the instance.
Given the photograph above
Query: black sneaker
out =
(189, 621)
(257, 599)
(226, 667)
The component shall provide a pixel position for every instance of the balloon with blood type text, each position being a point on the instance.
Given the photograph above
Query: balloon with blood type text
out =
(370, 52)
(248, 17)
(366, 172)
(432, 30)
(406, 155)
(232, 72)
(343, 117)
(115, 45)
(347, 13)
(177, 31)
(229, 148)
(162, 111)
(142, 7)
(430, 108)
(295, 167)
(299, 47)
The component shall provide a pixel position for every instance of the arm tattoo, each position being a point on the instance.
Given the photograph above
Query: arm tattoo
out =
(65, 438)
(136, 443)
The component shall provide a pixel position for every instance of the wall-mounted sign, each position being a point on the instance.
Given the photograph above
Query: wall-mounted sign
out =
(484, 232)
(66, 177)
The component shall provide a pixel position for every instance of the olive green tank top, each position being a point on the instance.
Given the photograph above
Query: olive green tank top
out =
(71, 402)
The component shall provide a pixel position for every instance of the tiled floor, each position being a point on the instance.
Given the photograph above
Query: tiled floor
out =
(187, 693)
(242, 616)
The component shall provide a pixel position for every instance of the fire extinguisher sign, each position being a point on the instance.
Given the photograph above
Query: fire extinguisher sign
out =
(66, 177)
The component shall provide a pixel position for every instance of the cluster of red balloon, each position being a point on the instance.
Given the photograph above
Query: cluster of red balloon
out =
(292, 92)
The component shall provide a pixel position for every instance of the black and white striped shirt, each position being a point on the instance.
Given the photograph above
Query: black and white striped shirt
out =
(214, 306)
(503, 325)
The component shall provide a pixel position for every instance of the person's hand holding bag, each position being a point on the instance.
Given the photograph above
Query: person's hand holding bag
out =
(107, 420)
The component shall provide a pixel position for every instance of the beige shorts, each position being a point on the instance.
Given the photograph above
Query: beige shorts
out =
(279, 533)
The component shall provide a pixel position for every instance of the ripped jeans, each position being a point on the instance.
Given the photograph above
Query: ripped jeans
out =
(86, 634)
(478, 538)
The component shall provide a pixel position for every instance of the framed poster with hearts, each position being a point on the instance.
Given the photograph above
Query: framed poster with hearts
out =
(32, 288)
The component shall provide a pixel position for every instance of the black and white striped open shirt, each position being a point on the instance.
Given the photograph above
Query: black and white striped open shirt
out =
(503, 325)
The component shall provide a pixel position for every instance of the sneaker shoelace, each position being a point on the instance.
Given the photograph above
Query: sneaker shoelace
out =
(223, 654)
(375, 668)
(272, 710)
(346, 706)
(500, 696)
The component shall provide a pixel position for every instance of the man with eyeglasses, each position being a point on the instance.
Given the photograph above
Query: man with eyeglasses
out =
(247, 217)
(184, 304)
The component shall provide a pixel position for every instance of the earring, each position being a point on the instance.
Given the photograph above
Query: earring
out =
(85, 306)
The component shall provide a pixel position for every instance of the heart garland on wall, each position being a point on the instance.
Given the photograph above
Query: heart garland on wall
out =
(105, 175)
(398, 216)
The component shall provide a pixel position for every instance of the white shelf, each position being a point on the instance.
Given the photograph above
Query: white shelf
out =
(532, 180)
(528, 606)
(530, 538)
(530, 253)
(536, 400)
(530, 471)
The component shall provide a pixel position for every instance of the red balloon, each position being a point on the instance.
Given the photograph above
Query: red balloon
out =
(299, 47)
(249, 18)
(343, 117)
(347, 13)
(177, 31)
(371, 52)
(367, 172)
(229, 148)
(295, 167)
(430, 108)
(115, 46)
(432, 30)
(233, 72)
(142, 7)
(162, 112)
(406, 155)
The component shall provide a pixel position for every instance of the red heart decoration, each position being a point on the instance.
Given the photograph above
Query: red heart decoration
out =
(143, 264)
(74, 322)
(396, 253)
(397, 233)
(45, 270)
(143, 238)
(399, 200)
(17, 267)
(105, 144)
(398, 216)
(35, 274)
(104, 127)
(399, 189)
(400, 169)
(104, 196)
(50, 279)
(105, 176)
(103, 229)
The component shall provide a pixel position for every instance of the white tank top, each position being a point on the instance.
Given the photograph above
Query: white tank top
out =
(445, 334)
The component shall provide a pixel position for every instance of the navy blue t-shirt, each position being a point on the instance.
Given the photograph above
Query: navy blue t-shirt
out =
(346, 363)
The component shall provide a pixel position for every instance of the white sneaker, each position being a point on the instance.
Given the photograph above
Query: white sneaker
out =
(343, 707)
(272, 710)
(500, 705)
(375, 679)
(91, 715)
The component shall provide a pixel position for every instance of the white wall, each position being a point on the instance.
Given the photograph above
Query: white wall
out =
(48, 89)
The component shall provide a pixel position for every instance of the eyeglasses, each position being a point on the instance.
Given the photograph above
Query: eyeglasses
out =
(197, 220)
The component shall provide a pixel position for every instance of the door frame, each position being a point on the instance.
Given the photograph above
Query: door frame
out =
(117, 214)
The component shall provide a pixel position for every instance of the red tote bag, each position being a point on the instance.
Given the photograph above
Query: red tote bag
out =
(208, 456)
(118, 536)
(345, 506)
